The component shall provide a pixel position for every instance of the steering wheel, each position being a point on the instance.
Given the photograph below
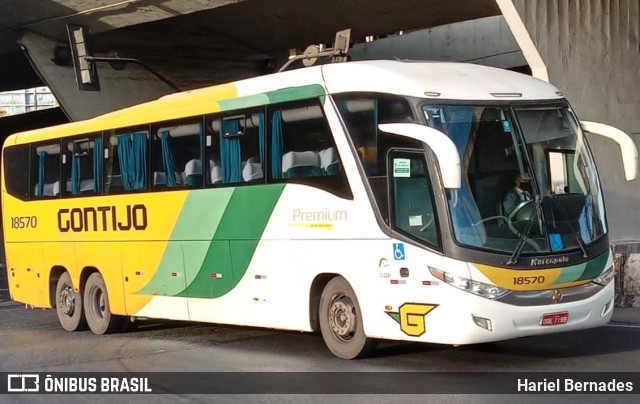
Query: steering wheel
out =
(486, 219)
(522, 211)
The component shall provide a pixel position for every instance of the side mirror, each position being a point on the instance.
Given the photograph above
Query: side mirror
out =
(444, 148)
(628, 148)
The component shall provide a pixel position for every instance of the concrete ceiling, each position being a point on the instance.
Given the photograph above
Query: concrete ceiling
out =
(199, 42)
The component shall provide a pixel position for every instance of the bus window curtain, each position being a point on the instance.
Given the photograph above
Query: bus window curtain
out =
(230, 146)
(276, 145)
(41, 157)
(132, 155)
(167, 159)
(97, 165)
(75, 172)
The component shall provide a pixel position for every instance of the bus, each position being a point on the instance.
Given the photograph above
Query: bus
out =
(365, 201)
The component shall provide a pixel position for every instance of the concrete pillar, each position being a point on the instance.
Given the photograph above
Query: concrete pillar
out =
(631, 280)
(591, 49)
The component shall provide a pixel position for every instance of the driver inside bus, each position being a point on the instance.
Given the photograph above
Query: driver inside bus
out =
(516, 195)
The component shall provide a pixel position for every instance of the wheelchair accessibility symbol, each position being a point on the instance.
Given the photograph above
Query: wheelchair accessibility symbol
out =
(398, 251)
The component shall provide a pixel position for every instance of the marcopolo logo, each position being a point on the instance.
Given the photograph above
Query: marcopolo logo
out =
(549, 261)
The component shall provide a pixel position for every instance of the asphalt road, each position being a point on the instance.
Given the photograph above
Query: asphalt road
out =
(32, 341)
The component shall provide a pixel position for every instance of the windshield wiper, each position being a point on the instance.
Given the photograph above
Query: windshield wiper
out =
(583, 246)
(525, 234)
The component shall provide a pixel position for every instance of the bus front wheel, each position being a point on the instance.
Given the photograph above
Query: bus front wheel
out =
(96, 306)
(341, 321)
(69, 305)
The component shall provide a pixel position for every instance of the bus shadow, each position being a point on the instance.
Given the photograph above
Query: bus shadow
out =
(593, 342)
(150, 326)
(575, 344)
(397, 348)
(584, 343)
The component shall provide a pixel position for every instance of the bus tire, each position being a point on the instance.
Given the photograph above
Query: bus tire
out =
(69, 305)
(96, 306)
(341, 321)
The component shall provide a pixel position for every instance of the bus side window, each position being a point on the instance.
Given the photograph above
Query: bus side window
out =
(235, 148)
(362, 113)
(82, 166)
(253, 148)
(45, 171)
(127, 165)
(302, 150)
(211, 166)
(176, 149)
(16, 169)
(412, 197)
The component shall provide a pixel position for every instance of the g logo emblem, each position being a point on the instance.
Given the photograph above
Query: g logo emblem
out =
(412, 318)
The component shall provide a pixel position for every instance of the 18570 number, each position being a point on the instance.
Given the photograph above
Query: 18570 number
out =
(528, 280)
(24, 222)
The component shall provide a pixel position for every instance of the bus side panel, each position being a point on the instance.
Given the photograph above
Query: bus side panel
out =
(58, 254)
(200, 281)
(27, 277)
(133, 277)
(160, 277)
(105, 257)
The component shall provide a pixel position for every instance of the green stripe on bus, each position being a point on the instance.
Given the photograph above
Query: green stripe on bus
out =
(248, 212)
(237, 237)
(244, 102)
(235, 219)
(201, 214)
(584, 271)
(570, 274)
(595, 267)
(274, 97)
(296, 93)
(198, 220)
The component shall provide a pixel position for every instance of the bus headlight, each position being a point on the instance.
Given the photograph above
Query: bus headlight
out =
(469, 285)
(606, 276)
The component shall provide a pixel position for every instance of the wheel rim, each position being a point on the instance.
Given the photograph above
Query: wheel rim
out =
(98, 303)
(67, 301)
(342, 318)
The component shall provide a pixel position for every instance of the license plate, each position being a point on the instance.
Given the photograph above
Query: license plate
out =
(555, 318)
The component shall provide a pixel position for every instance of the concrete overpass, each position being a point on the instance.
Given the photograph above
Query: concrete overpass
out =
(192, 43)
(590, 49)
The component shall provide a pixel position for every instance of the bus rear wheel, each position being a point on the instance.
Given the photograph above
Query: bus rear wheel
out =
(341, 321)
(69, 305)
(96, 306)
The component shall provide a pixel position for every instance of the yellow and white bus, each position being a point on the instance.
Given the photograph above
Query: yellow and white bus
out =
(364, 200)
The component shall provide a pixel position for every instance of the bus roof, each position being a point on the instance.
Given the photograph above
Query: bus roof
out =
(435, 80)
(440, 80)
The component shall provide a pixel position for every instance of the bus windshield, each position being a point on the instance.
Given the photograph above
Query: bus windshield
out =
(528, 179)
